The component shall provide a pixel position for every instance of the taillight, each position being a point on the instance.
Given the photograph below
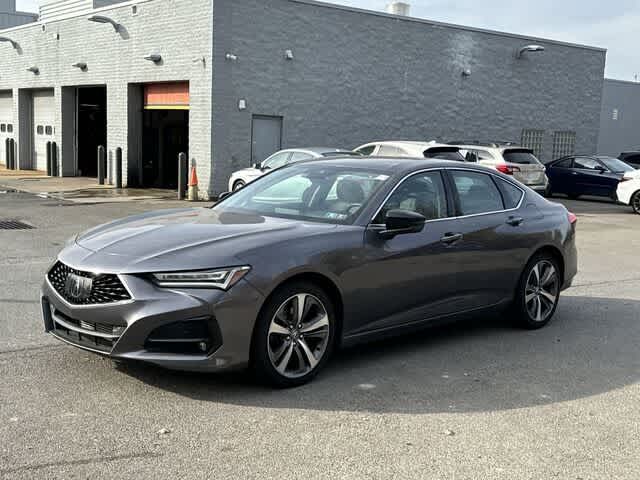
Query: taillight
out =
(572, 218)
(507, 169)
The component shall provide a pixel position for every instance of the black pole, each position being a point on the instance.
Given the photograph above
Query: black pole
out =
(6, 154)
(12, 151)
(48, 159)
(182, 175)
(54, 159)
(102, 164)
(118, 167)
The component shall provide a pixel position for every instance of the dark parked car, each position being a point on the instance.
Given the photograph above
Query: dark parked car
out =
(632, 158)
(310, 257)
(586, 175)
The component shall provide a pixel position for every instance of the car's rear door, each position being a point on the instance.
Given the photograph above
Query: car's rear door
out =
(492, 251)
(411, 277)
(561, 175)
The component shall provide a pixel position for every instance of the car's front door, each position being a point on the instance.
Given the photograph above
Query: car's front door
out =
(594, 178)
(411, 277)
(493, 249)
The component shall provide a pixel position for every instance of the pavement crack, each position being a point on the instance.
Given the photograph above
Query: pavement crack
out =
(79, 462)
(32, 349)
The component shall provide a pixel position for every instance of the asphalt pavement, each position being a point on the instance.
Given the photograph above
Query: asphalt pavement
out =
(475, 400)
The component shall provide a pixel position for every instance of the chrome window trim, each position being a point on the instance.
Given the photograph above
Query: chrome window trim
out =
(96, 305)
(438, 169)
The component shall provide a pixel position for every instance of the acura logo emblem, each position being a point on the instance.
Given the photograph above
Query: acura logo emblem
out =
(78, 287)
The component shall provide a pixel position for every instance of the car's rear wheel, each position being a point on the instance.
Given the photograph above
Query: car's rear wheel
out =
(294, 335)
(538, 292)
(635, 202)
(238, 185)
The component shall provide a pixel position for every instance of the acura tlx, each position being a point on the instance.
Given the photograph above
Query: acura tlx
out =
(308, 258)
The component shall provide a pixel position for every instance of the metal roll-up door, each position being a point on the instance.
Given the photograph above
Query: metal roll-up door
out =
(6, 123)
(43, 126)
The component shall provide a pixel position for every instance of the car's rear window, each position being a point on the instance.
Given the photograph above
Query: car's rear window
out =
(444, 153)
(522, 157)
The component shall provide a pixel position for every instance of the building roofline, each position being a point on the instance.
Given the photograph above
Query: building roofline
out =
(318, 3)
(106, 8)
(624, 82)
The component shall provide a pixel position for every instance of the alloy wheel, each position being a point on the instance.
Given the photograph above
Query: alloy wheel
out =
(298, 335)
(542, 291)
(635, 202)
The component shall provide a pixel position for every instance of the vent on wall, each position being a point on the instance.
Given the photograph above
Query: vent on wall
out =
(564, 143)
(534, 140)
(615, 114)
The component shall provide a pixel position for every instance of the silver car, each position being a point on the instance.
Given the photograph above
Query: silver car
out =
(509, 159)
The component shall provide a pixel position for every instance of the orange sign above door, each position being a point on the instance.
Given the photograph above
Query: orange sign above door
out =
(166, 96)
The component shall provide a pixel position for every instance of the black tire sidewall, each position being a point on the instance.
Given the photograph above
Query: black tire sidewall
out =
(238, 185)
(636, 194)
(260, 362)
(522, 314)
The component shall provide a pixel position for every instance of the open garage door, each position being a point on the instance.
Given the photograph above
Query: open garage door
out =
(165, 133)
(43, 130)
(6, 123)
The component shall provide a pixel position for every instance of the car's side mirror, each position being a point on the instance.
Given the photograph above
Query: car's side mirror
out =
(224, 195)
(401, 222)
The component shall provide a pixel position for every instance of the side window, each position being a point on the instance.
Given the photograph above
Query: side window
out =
(40, 130)
(510, 193)
(299, 157)
(469, 155)
(368, 150)
(48, 130)
(423, 193)
(277, 160)
(566, 163)
(3, 127)
(390, 151)
(484, 155)
(585, 163)
(477, 193)
(10, 127)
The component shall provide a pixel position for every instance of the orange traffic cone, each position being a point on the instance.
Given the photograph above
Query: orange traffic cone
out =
(193, 184)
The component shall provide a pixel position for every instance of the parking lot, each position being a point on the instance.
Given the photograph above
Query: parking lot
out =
(479, 399)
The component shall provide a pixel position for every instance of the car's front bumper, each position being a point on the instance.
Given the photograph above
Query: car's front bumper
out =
(230, 317)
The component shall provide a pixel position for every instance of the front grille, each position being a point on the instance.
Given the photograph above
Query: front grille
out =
(106, 288)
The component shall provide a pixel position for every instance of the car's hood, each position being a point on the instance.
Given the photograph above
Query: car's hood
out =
(172, 240)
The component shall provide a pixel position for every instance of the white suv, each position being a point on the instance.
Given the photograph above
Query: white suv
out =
(410, 149)
(510, 159)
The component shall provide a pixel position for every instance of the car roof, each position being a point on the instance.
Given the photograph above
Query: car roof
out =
(318, 150)
(413, 143)
(395, 165)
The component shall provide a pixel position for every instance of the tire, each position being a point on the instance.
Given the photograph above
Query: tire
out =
(548, 193)
(286, 355)
(635, 202)
(533, 304)
(238, 185)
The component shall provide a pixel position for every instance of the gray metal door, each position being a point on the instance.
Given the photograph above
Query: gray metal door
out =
(266, 137)
(6, 122)
(43, 123)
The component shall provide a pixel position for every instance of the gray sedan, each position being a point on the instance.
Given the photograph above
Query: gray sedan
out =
(309, 258)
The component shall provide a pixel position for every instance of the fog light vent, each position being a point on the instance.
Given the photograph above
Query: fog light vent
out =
(191, 337)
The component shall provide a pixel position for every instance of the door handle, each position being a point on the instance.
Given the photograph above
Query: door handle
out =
(515, 221)
(574, 173)
(450, 238)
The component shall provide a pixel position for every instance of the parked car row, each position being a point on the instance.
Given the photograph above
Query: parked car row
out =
(504, 157)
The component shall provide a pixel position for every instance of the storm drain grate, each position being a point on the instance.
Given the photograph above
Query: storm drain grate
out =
(14, 225)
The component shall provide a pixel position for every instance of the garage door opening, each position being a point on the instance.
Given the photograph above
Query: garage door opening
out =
(165, 133)
(91, 128)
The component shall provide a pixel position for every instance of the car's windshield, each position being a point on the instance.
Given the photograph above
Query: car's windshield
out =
(615, 165)
(316, 192)
(522, 157)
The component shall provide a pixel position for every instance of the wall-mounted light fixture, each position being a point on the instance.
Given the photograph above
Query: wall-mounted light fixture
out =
(81, 65)
(242, 104)
(13, 43)
(529, 48)
(101, 19)
(288, 54)
(231, 57)
(34, 70)
(154, 57)
(466, 72)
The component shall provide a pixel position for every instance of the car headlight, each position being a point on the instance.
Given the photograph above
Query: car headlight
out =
(222, 279)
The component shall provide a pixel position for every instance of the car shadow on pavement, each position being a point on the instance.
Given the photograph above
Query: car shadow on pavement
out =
(485, 364)
(593, 205)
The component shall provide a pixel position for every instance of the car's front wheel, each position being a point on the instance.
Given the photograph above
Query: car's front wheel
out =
(294, 335)
(635, 202)
(238, 185)
(538, 292)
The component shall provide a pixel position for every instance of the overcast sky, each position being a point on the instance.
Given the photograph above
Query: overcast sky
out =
(612, 24)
